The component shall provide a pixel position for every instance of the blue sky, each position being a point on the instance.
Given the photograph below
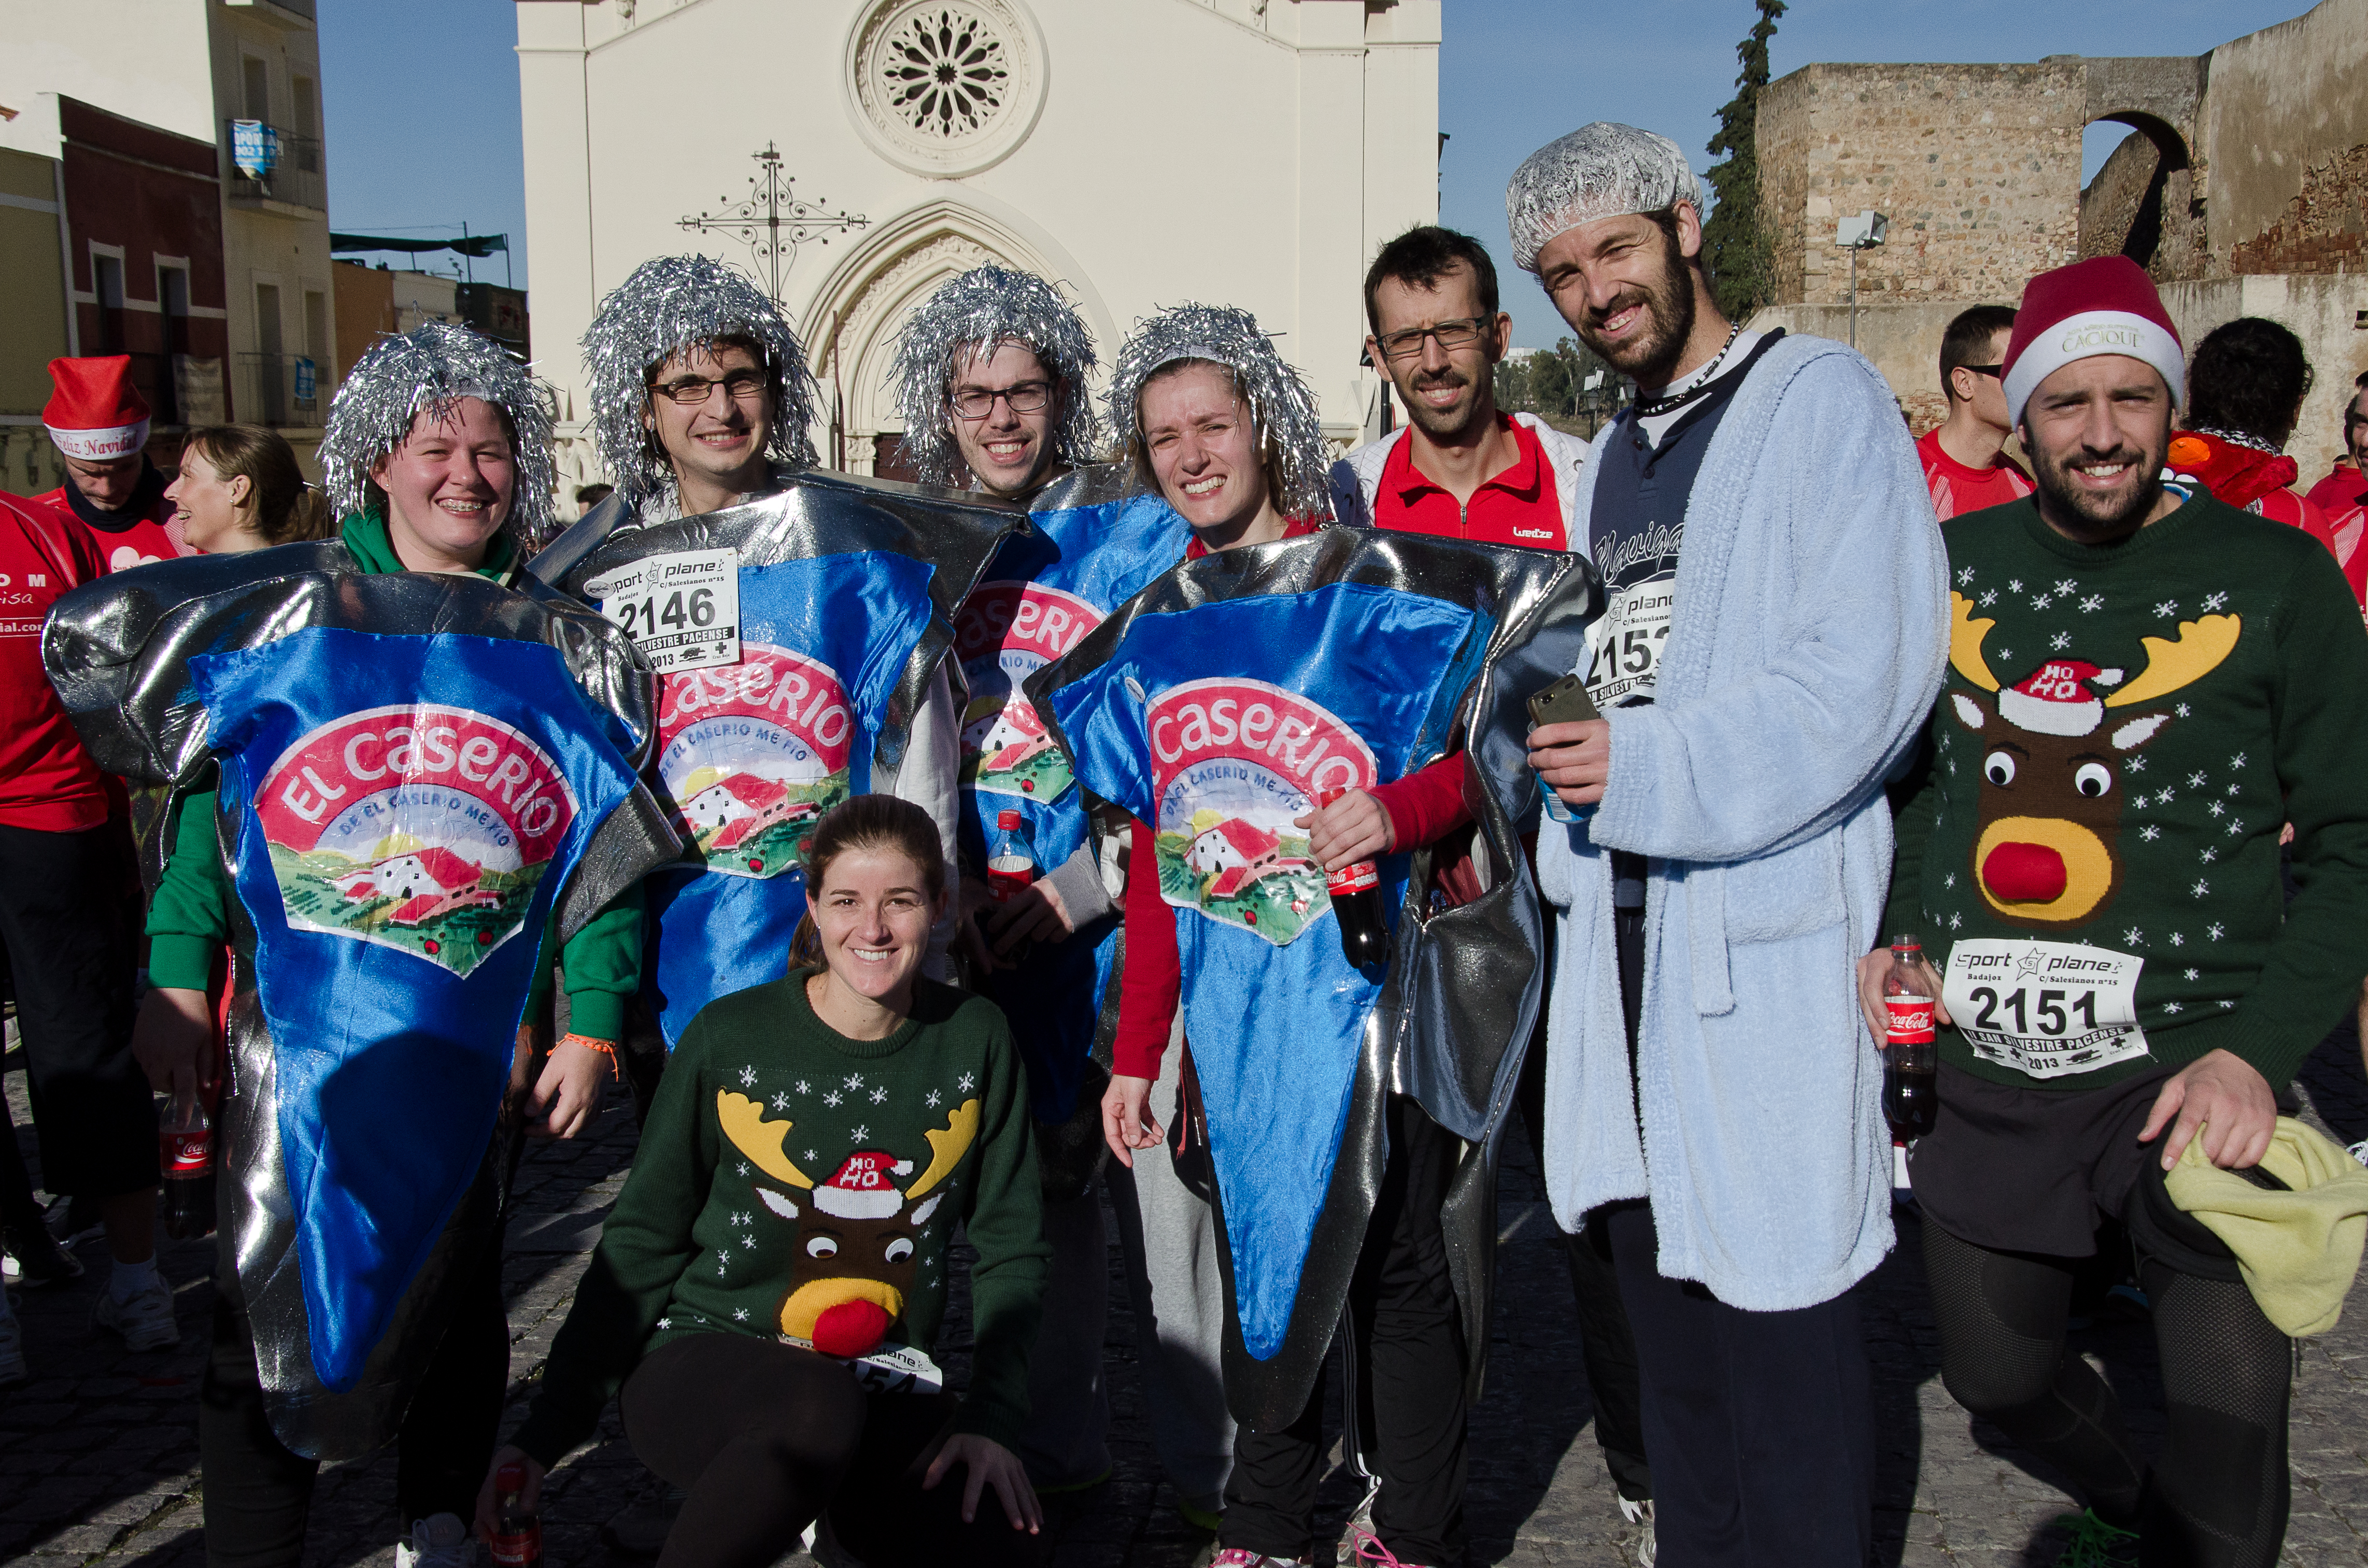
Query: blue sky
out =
(424, 146)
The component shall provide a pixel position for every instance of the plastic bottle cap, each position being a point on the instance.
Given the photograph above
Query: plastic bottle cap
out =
(1326, 797)
(1006, 819)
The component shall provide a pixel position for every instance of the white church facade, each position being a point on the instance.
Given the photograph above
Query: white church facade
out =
(1138, 153)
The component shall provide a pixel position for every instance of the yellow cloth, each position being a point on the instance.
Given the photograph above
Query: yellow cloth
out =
(2297, 1251)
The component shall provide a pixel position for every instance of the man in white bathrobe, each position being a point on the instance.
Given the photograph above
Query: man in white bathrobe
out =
(1773, 634)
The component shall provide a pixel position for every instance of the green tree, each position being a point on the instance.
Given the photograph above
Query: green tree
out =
(1735, 248)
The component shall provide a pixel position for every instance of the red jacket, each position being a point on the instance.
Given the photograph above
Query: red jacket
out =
(47, 781)
(144, 532)
(2262, 482)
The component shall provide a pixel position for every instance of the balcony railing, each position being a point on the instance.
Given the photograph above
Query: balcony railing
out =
(277, 388)
(268, 163)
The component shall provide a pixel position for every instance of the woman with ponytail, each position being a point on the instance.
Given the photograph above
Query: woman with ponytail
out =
(239, 489)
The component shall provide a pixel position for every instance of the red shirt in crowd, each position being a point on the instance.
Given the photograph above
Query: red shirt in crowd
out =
(2342, 498)
(145, 530)
(1517, 506)
(2260, 480)
(1957, 489)
(47, 781)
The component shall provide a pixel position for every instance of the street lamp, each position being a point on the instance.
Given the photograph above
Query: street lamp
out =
(1862, 231)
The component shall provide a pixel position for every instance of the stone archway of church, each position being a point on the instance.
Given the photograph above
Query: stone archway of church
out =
(854, 320)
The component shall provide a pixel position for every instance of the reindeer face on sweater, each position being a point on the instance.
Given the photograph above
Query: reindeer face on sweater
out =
(857, 1231)
(2047, 850)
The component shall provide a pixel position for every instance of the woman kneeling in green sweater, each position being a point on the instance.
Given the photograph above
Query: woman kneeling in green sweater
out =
(770, 1285)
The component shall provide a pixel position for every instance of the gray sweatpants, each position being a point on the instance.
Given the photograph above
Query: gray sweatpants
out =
(1169, 1238)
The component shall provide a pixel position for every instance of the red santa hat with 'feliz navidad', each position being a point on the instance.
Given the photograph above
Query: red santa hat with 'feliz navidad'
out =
(2104, 306)
(95, 415)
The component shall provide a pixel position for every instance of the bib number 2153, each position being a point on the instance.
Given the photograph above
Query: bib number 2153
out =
(2047, 1009)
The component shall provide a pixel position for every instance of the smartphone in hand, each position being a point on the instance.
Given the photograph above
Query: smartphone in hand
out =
(1564, 702)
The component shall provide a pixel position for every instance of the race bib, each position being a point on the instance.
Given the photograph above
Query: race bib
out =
(895, 1368)
(682, 610)
(2047, 1009)
(1626, 642)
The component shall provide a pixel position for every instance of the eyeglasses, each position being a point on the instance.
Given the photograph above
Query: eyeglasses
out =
(1993, 371)
(1452, 336)
(740, 386)
(977, 402)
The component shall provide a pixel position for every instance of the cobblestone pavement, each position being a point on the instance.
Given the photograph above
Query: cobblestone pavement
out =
(98, 1453)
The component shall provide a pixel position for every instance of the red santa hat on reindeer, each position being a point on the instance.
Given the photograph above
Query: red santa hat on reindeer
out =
(2104, 306)
(94, 414)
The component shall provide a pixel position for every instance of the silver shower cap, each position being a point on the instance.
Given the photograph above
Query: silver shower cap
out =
(978, 313)
(1603, 170)
(1280, 401)
(668, 304)
(428, 370)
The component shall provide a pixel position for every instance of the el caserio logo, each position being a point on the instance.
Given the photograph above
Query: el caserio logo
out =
(1234, 762)
(1004, 632)
(752, 755)
(419, 828)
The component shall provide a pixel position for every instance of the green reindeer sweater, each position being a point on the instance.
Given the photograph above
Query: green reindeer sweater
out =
(2091, 857)
(794, 1184)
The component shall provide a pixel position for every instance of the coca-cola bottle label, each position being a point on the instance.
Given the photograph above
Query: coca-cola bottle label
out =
(1911, 1020)
(188, 1154)
(521, 1547)
(1355, 877)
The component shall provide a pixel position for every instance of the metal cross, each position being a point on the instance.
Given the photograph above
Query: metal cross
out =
(772, 222)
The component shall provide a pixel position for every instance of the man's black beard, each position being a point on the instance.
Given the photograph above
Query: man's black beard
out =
(1651, 359)
(2073, 510)
(1423, 414)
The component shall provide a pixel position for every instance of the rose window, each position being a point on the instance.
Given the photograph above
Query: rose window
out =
(945, 73)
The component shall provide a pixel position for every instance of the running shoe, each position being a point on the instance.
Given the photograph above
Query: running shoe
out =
(34, 1257)
(1242, 1557)
(1639, 1511)
(145, 1318)
(73, 1221)
(2095, 1543)
(1372, 1553)
(13, 1370)
(439, 1540)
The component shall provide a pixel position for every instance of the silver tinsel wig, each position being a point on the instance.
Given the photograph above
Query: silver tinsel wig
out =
(977, 314)
(426, 370)
(671, 304)
(1281, 402)
(1603, 170)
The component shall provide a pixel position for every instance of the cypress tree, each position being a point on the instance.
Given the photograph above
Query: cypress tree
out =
(1735, 244)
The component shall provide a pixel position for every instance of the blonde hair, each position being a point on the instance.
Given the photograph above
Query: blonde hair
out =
(286, 507)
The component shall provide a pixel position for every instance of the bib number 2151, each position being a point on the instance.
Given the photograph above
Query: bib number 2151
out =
(2047, 1009)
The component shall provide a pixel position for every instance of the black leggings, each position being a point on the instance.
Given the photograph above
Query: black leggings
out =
(765, 1435)
(2220, 1497)
(258, 1493)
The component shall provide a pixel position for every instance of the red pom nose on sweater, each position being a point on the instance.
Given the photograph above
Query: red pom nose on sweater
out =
(850, 1328)
(2024, 873)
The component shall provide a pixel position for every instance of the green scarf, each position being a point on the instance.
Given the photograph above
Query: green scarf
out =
(365, 534)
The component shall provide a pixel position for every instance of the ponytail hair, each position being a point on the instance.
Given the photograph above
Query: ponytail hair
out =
(285, 508)
(866, 821)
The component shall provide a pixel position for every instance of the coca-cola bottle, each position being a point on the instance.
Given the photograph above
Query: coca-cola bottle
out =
(517, 1541)
(1910, 1058)
(1012, 865)
(188, 1154)
(1356, 891)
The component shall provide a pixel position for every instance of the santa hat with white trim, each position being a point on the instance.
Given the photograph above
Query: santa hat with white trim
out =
(95, 415)
(2055, 698)
(864, 1186)
(2104, 306)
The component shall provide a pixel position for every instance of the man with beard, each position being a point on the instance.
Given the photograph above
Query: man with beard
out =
(2146, 684)
(1458, 468)
(1772, 641)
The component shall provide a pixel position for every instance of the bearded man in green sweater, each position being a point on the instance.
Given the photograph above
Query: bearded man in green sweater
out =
(2145, 687)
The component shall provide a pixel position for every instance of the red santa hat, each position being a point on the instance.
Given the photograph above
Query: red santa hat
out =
(2104, 306)
(95, 413)
(2054, 700)
(864, 1188)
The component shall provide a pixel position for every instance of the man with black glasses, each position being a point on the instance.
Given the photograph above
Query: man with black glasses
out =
(1962, 457)
(1458, 468)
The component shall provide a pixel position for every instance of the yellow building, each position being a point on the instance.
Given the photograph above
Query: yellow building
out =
(33, 327)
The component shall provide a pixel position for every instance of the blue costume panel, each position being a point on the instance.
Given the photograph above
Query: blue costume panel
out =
(1091, 548)
(750, 755)
(398, 863)
(1218, 726)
